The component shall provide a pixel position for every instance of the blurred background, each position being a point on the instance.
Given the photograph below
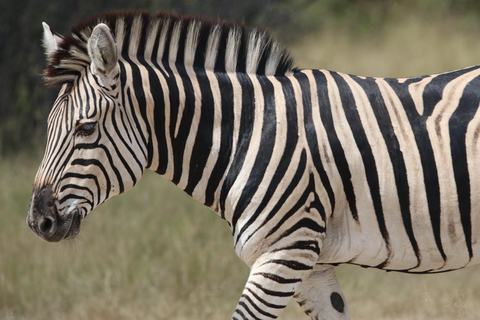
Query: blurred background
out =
(154, 253)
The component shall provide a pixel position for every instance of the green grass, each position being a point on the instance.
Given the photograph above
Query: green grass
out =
(154, 253)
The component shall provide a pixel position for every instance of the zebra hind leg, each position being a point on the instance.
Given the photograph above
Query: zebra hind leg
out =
(321, 296)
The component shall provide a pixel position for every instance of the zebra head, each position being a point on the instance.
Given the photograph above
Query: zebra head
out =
(92, 152)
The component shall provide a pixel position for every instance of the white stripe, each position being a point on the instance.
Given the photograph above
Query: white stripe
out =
(422, 227)
(255, 47)
(403, 256)
(231, 51)
(135, 36)
(191, 42)
(438, 129)
(212, 47)
(416, 90)
(151, 37)
(199, 191)
(163, 39)
(193, 132)
(377, 251)
(252, 151)
(174, 41)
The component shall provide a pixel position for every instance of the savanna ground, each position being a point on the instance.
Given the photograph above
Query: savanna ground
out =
(154, 253)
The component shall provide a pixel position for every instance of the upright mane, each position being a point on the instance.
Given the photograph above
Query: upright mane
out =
(191, 41)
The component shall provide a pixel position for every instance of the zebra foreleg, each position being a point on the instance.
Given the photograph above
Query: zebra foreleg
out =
(273, 281)
(321, 296)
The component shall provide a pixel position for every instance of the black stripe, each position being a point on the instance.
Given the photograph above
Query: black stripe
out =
(204, 137)
(181, 42)
(375, 97)
(368, 159)
(247, 118)
(239, 313)
(127, 102)
(312, 136)
(159, 97)
(306, 223)
(277, 278)
(127, 130)
(291, 264)
(58, 140)
(180, 140)
(61, 166)
(76, 186)
(259, 310)
(174, 99)
(265, 150)
(310, 245)
(246, 308)
(271, 292)
(156, 93)
(337, 150)
(433, 91)
(287, 156)
(430, 174)
(226, 137)
(119, 129)
(299, 205)
(269, 305)
(136, 84)
(458, 124)
(235, 318)
(98, 164)
(220, 62)
(286, 194)
(114, 143)
(79, 176)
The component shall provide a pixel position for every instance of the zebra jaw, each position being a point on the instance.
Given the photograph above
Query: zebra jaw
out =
(48, 222)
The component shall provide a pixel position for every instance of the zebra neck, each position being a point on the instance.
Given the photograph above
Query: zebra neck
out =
(189, 117)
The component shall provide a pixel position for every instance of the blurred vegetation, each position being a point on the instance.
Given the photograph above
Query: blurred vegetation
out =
(154, 253)
(25, 102)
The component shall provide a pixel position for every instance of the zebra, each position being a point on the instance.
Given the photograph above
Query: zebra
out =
(310, 168)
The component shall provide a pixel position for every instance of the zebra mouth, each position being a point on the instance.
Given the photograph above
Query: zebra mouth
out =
(72, 224)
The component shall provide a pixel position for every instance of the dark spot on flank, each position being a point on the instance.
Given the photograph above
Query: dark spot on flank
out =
(337, 302)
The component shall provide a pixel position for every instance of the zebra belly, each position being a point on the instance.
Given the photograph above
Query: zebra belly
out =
(350, 242)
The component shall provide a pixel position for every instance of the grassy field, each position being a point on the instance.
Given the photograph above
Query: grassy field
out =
(154, 253)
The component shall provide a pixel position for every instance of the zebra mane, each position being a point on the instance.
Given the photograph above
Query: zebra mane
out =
(191, 41)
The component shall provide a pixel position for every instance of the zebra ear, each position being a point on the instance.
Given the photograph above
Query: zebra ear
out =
(50, 40)
(102, 50)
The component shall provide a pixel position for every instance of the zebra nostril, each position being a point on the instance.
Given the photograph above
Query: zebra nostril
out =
(46, 225)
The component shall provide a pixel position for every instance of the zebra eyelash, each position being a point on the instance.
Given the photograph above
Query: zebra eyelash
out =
(85, 129)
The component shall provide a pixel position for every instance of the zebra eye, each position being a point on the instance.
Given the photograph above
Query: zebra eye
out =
(85, 129)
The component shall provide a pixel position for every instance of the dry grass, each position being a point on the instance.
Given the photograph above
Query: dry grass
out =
(153, 253)
(410, 48)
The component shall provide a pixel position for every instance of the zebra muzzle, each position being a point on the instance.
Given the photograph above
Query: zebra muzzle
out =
(47, 222)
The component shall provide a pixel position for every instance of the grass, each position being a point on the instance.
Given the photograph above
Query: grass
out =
(154, 253)
(144, 255)
(410, 47)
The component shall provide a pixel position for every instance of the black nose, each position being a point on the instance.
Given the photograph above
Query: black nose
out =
(42, 218)
(46, 225)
